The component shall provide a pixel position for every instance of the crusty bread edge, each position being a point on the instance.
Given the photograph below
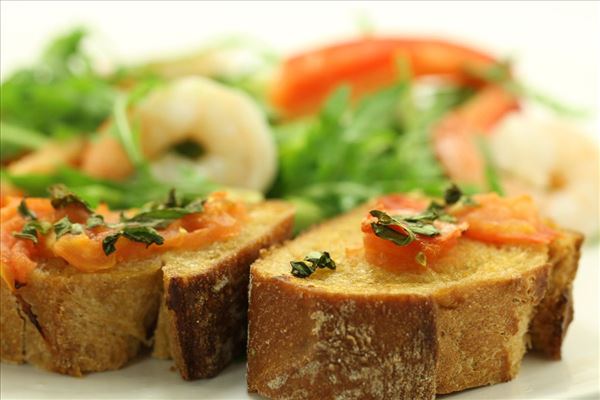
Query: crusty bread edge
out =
(202, 335)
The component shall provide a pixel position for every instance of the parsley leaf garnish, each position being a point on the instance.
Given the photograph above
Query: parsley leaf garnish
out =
(64, 226)
(33, 226)
(141, 227)
(61, 197)
(141, 234)
(312, 261)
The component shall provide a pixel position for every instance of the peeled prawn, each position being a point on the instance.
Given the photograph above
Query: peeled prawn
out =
(553, 161)
(239, 149)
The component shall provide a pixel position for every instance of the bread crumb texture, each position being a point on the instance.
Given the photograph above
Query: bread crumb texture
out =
(362, 332)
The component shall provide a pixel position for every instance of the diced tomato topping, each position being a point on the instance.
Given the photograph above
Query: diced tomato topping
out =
(220, 219)
(503, 220)
(393, 257)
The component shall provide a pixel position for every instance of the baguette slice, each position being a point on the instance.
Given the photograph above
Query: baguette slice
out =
(71, 322)
(203, 315)
(361, 332)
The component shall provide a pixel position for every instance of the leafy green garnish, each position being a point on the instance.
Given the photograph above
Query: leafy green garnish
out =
(312, 261)
(65, 226)
(24, 211)
(61, 197)
(15, 139)
(31, 229)
(348, 154)
(142, 227)
(491, 171)
(141, 234)
(59, 96)
(33, 226)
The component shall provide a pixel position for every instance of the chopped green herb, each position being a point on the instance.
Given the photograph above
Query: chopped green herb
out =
(453, 194)
(24, 211)
(410, 225)
(61, 197)
(65, 226)
(32, 228)
(94, 220)
(141, 234)
(314, 260)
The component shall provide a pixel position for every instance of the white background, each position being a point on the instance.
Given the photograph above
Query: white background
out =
(556, 45)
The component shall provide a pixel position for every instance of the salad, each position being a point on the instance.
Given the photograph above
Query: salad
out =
(326, 129)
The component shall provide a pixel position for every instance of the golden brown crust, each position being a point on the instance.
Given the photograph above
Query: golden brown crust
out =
(305, 344)
(555, 312)
(12, 327)
(482, 329)
(74, 323)
(203, 321)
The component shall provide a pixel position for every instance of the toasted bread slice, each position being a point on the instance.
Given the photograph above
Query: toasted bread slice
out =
(72, 322)
(364, 332)
(202, 322)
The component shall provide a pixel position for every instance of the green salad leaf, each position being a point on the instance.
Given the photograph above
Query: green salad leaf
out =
(348, 154)
(59, 96)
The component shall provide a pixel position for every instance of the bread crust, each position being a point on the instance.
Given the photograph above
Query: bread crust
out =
(482, 329)
(555, 312)
(204, 315)
(75, 323)
(306, 344)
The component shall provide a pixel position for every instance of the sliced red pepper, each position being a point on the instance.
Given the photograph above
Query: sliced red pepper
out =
(369, 64)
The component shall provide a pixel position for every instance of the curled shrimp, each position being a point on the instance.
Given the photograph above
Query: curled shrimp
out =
(550, 160)
(238, 148)
(553, 161)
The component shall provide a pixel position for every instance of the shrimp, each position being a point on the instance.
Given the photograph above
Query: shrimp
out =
(48, 158)
(553, 161)
(239, 149)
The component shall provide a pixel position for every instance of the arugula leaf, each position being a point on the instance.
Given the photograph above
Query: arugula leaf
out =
(131, 193)
(491, 172)
(15, 139)
(60, 96)
(348, 154)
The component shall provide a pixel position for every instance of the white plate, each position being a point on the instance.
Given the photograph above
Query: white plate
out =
(575, 377)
